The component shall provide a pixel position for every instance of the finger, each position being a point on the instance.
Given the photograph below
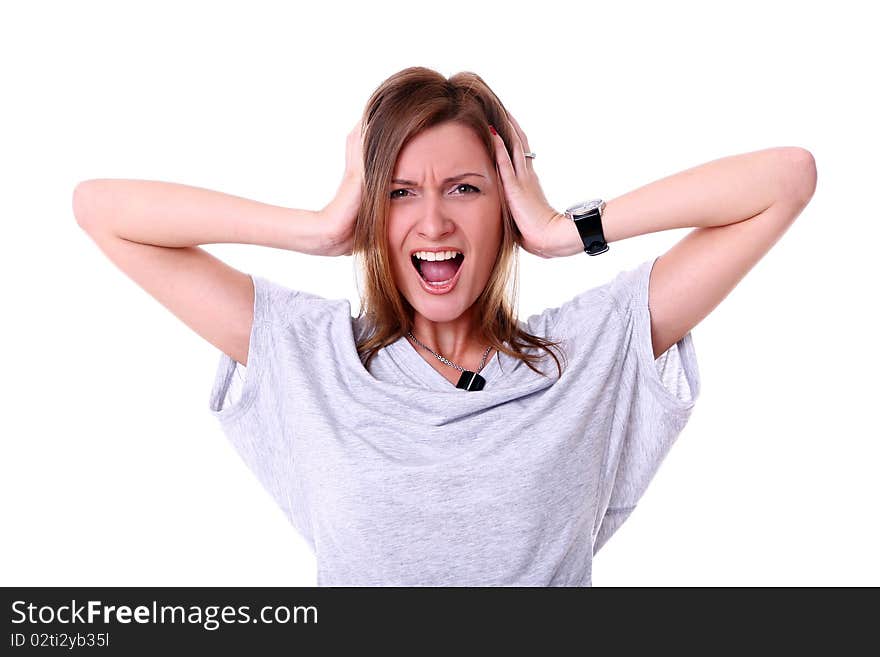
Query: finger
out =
(519, 132)
(502, 160)
(519, 160)
(524, 141)
(354, 151)
(351, 146)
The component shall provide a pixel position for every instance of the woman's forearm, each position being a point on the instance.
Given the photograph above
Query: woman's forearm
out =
(176, 215)
(717, 193)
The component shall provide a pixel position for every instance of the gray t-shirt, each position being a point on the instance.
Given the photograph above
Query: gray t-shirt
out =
(395, 477)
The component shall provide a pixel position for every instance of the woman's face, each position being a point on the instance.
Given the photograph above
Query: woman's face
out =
(429, 212)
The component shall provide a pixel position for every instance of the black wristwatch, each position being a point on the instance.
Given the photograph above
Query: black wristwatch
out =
(587, 216)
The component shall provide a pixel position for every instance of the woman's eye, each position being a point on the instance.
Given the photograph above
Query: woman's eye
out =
(406, 191)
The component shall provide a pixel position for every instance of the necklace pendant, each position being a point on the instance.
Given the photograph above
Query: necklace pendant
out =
(470, 381)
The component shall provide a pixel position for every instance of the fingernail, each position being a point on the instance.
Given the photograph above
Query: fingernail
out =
(492, 129)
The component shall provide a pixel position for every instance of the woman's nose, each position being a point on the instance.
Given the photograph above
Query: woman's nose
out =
(434, 218)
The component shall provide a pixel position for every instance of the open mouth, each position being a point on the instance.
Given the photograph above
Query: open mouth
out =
(437, 272)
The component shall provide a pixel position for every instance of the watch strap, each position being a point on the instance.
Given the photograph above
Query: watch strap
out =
(590, 229)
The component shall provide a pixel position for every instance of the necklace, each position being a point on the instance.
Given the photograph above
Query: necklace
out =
(469, 380)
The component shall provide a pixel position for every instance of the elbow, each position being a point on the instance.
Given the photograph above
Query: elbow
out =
(799, 166)
(83, 203)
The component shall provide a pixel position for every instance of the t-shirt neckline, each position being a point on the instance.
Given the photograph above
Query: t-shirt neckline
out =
(430, 377)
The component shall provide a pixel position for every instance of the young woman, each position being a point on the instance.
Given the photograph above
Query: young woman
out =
(436, 439)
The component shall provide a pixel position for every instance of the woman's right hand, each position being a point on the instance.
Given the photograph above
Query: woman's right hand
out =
(340, 215)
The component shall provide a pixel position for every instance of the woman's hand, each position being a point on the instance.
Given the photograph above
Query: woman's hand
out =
(340, 215)
(533, 215)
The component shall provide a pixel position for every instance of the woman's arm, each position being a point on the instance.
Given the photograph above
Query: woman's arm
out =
(175, 215)
(739, 206)
(150, 230)
(718, 193)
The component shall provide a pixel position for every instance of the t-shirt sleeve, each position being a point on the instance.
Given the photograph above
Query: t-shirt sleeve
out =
(250, 402)
(653, 402)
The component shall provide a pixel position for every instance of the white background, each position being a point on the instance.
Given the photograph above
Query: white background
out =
(113, 470)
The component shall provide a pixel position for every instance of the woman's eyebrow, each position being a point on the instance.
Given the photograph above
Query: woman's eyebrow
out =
(399, 181)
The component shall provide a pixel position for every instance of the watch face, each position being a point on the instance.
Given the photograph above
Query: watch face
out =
(583, 208)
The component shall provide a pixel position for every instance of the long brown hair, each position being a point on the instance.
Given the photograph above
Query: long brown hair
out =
(406, 103)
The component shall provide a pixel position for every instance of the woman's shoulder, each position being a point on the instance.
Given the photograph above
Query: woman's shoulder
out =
(283, 305)
(591, 306)
(580, 309)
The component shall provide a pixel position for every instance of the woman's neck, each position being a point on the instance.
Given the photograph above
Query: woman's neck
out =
(453, 340)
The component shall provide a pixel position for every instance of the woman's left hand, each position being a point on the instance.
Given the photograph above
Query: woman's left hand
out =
(533, 215)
